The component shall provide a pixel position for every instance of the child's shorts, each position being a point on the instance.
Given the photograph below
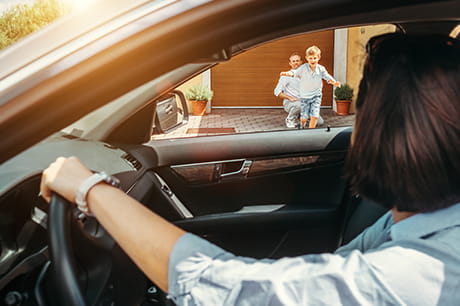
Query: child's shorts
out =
(310, 107)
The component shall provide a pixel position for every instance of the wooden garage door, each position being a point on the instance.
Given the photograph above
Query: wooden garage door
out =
(249, 79)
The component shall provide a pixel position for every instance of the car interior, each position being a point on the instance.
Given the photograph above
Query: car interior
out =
(262, 194)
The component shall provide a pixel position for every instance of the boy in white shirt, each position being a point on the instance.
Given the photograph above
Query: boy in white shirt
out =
(311, 85)
(287, 88)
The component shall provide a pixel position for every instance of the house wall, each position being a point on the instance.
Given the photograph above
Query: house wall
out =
(357, 40)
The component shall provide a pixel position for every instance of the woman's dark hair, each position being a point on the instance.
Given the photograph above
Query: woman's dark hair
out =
(406, 144)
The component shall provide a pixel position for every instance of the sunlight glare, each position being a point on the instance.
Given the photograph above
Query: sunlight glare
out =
(78, 5)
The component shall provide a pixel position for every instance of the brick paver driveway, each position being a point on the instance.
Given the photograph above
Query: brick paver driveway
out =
(224, 121)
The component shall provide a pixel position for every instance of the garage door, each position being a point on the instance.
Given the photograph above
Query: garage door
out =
(248, 79)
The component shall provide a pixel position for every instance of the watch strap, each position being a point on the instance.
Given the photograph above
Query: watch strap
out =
(90, 182)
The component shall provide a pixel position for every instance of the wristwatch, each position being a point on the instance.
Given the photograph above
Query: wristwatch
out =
(90, 182)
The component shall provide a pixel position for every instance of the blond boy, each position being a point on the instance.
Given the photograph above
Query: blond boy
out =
(311, 75)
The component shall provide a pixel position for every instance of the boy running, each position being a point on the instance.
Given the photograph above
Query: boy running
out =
(311, 85)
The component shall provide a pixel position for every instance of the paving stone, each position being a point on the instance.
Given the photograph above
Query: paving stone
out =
(247, 120)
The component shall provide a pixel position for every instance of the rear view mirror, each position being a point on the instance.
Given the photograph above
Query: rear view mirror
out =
(171, 112)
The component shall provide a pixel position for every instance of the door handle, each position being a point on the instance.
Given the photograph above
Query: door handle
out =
(242, 172)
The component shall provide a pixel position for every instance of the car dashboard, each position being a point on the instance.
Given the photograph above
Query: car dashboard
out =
(24, 239)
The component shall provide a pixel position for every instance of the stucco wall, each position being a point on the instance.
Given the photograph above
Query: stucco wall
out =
(357, 39)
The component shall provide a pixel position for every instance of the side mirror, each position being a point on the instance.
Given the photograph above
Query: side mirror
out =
(171, 112)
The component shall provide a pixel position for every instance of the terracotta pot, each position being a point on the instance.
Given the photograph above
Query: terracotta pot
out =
(343, 107)
(199, 108)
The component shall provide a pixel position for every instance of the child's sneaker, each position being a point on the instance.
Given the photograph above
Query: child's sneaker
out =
(290, 124)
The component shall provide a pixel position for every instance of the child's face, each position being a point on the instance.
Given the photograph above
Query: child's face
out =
(312, 59)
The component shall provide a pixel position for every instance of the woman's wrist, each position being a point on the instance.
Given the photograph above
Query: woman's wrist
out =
(88, 184)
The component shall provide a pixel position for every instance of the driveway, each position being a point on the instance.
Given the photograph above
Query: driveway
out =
(228, 121)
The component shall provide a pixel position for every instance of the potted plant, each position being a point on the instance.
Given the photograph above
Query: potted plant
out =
(199, 95)
(343, 97)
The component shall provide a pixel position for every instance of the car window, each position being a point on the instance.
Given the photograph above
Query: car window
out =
(242, 97)
(243, 88)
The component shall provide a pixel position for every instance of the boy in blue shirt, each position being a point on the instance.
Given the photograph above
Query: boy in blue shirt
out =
(311, 85)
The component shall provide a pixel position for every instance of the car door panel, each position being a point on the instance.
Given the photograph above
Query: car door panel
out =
(280, 197)
(310, 187)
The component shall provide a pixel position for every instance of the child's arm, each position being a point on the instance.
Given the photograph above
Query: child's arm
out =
(329, 78)
(289, 73)
(282, 95)
(334, 82)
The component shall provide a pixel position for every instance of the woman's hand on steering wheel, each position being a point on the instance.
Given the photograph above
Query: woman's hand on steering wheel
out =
(64, 176)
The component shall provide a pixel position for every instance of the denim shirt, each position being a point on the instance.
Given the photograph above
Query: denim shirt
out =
(413, 262)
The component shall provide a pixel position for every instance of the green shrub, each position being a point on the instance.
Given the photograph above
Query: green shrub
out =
(344, 92)
(199, 92)
(22, 19)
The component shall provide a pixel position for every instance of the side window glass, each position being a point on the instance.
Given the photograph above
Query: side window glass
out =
(246, 89)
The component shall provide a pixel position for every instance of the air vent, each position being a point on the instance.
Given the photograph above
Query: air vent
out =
(132, 161)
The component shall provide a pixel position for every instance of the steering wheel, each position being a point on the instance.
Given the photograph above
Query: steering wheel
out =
(63, 263)
(98, 272)
(81, 277)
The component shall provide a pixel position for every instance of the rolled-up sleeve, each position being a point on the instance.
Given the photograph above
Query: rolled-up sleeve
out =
(280, 86)
(190, 257)
(203, 274)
